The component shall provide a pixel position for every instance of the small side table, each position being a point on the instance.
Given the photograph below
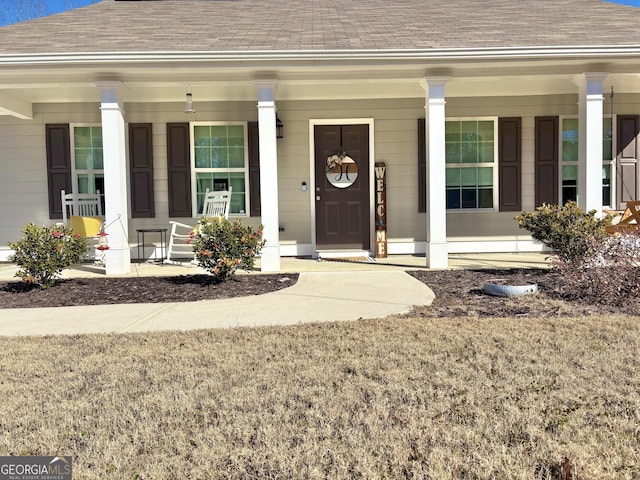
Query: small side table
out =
(163, 243)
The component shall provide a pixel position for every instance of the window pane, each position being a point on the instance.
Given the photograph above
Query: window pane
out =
(485, 197)
(469, 131)
(238, 200)
(236, 180)
(202, 136)
(570, 140)
(219, 136)
(98, 184)
(452, 152)
(486, 152)
(485, 131)
(235, 135)
(569, 184)
(87, 150)
(203, 157)
(453, 177)
(236, 157)
(469, 198)
(468, 177)
(82, 137)
(607, 139)
(453, 198)
(203, 181)
(569, 174)
(485, 177)
(219, 157)
(83, 158)
(606, 185)
(569, 193)
(90, 183)
(96, 137)
(83, 184)
(469, 152)
(98, 162)
(452, 132)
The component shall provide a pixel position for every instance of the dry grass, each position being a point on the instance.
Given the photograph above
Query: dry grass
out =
(435, 398)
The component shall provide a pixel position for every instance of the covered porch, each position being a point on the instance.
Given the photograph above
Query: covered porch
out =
(389, 94)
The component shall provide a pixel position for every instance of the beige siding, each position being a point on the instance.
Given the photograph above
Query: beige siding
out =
(23, 159)
(23, 181)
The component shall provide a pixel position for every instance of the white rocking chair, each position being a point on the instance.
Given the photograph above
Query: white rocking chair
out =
(216, 204)
(79, 205)
(83, 213)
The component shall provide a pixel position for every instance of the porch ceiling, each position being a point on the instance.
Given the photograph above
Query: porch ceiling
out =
(25, 85)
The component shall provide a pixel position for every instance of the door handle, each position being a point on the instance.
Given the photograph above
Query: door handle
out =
(318, 197)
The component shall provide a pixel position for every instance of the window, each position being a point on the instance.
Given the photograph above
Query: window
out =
(87, 165)
(471, 164)
(569, 155)
(220, 161)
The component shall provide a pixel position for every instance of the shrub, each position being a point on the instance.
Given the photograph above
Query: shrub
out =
(610, 276)
(568, 230)
(222, 246)
(44, 252)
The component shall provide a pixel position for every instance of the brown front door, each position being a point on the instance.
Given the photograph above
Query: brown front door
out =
(342, 186)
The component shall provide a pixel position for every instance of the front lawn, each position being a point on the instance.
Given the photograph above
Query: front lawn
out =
(436, 398)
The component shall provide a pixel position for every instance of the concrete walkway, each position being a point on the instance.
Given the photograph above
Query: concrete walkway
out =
(325, 291)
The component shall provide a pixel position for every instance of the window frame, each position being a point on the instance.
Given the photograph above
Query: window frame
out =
(563, 163)
(494, 165)
(74, 170)
(195, 170)
(610, 163)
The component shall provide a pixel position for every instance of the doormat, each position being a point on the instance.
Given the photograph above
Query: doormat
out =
(347, 259)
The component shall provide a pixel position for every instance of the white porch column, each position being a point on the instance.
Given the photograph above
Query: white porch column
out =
(590, 112)
(118, 257)
(437, 250)
(270, 259)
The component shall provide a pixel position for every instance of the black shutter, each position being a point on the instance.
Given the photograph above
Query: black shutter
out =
(422, 166)
(253, 142)
(627, 159)
(510, 164)
(546, 158)
(141, 170)
(179, 169)
(58, 165)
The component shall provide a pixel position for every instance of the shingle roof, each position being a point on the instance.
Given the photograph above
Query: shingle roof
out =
(316, 25)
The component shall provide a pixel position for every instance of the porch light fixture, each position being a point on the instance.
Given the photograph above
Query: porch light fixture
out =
(279, 127)
(188, 107)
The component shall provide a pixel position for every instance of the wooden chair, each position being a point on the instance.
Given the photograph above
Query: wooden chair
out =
(216, 204)
(82, 212)
(627, 221)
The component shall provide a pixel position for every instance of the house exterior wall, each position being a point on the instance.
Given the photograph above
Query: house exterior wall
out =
(24, 178)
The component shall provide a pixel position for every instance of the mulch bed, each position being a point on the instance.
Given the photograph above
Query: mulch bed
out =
(105, 291)
(458, 292)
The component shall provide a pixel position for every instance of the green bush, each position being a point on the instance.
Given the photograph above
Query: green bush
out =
(222, 246)
(44, 252)
(568, 230)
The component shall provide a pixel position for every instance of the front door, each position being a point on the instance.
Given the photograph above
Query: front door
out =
(342, 187)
